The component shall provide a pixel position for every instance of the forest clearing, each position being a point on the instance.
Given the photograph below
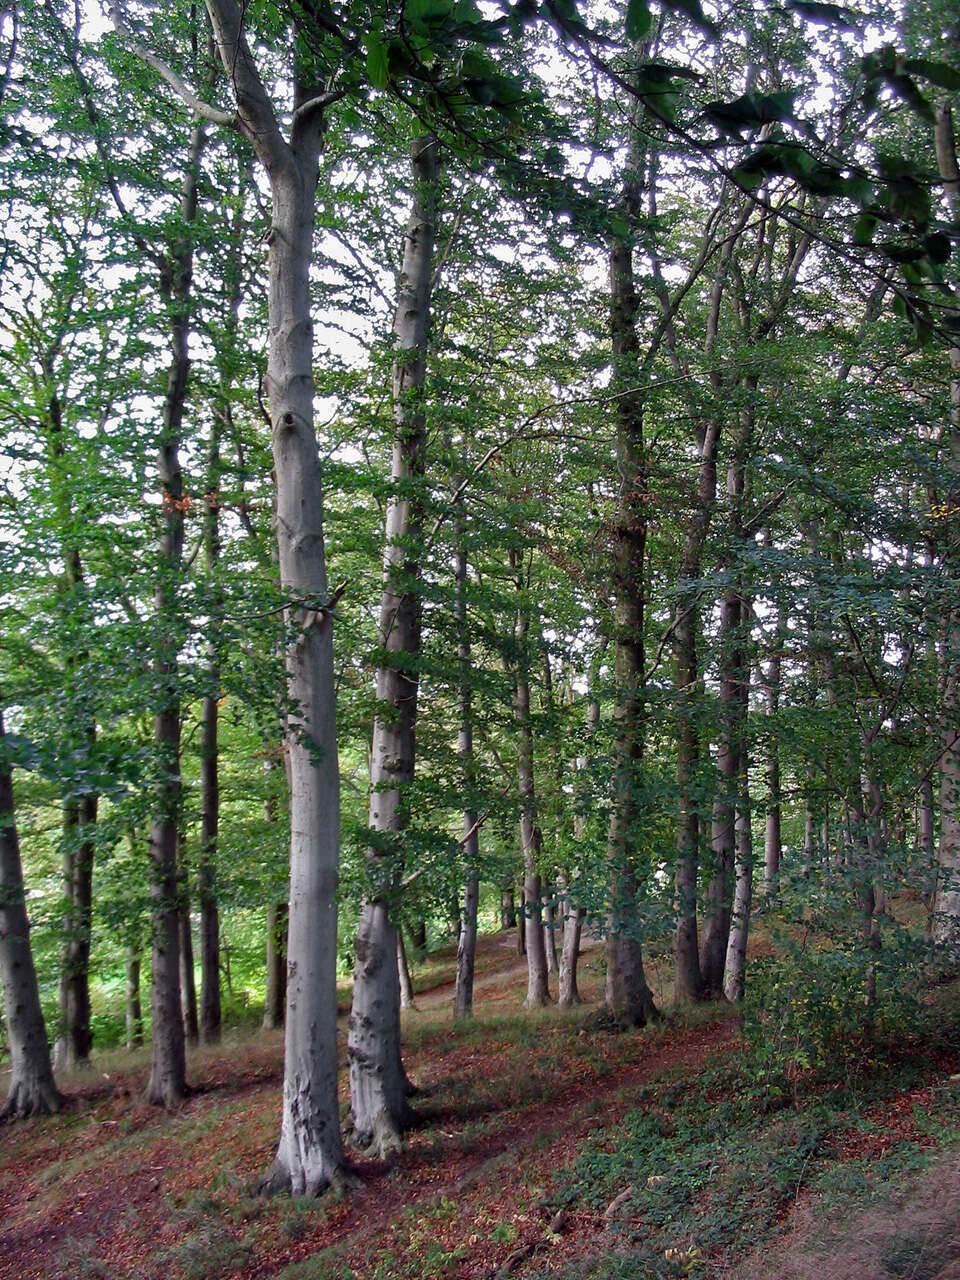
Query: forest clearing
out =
(544, 1147)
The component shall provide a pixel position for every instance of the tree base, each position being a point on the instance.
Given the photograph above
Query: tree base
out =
(278, 1181)
(30, 1099)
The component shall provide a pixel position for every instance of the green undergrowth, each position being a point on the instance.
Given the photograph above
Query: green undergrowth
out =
(707, 1169)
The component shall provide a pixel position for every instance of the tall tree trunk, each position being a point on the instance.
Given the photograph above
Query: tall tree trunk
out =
(76, 1037)
(210, 1009)
(568, 992)
(378, 1085)
(310, 1152)
(717, 896)
(628, 997)
(773, 841)
(531, 839)
(946, 920)
(168, 1084)
(735, 963)
(80, 808)
(467, 942)
(32, 1088)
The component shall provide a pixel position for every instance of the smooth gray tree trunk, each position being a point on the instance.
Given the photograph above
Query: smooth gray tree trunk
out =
(407, 1000)
(378, 1084)
(32, 1088)
(310, 1152)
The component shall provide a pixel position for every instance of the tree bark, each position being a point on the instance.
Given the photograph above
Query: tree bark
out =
(32, 1088)
(133, 1010)
(467, 942)
(378, 1085)
(735, 964)
(572, 918)
(406, 983)
(310, 1152)
(276, 946)
(188, 979)
(531, 839)
(773, 841)
(80, 808)
(628, 997)
(167, 1085)
(946, 915)
(76, 1037)
(508, 908)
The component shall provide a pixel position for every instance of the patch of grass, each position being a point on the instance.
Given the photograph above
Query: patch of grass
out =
(711, 1171)
(207, 1254)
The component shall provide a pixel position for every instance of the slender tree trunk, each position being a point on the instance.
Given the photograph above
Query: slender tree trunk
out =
(418, 935)
(928, 849)
(167, 1085)
(467, 943)
(310, 1152)
(76, 1037)
(378, 1085)
(773, 842)
(572, 923)
(188, 980)
(134, 1013)
(531, 839)
(946, 919)
(32, 1088)
(276, 994)
(210, 1008)
(403, 974)
(508, 908)
(550, 928)
(734, 974)
(628, 997)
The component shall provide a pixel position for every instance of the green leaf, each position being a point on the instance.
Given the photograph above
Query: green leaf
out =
(693, 9)
(906, 89)
(863, 231)
(939, 247)
(639, 19)
(750, 111)
(938, 73)
(378, 67)
(748, 179)
(829, 14)
(428, 12)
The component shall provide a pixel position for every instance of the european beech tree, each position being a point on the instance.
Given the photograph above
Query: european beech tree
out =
(378, 1083)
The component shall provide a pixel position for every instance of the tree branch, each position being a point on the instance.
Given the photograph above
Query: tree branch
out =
(227, 119)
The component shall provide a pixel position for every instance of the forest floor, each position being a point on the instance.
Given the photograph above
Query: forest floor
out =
(548, 1145)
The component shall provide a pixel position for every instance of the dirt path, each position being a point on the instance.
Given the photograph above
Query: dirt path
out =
(118, 1190)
